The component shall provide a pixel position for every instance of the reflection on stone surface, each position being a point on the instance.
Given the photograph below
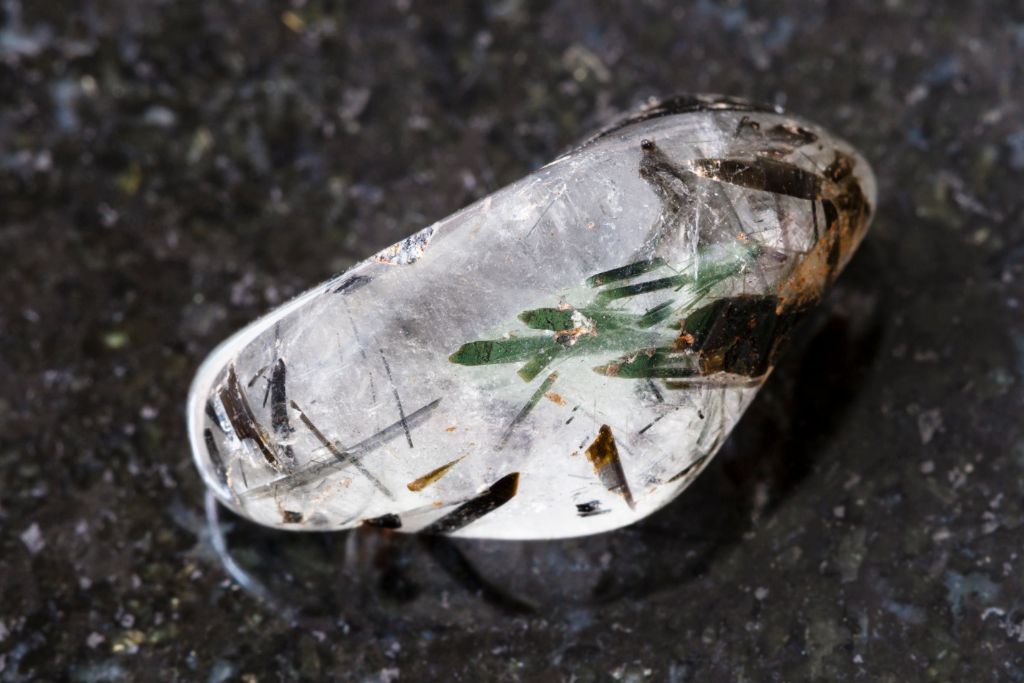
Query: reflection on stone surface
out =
(559, 359)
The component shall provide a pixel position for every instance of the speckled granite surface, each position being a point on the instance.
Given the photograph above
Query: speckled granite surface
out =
(170, 171)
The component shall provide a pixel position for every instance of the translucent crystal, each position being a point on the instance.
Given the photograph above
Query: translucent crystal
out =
(560, 358)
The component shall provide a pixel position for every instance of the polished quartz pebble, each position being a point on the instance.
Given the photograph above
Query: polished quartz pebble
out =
(562, 357)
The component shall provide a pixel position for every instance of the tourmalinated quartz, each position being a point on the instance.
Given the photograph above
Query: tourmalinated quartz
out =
(560, 358)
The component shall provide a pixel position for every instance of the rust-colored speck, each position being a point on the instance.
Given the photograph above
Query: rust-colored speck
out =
(555, 398)
(683, 341)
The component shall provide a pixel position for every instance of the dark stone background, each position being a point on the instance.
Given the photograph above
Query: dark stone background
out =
(168, 171)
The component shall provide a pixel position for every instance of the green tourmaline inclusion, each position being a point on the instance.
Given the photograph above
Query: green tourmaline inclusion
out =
(600, 327)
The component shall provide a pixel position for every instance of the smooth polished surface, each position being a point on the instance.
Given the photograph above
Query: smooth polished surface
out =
(561, 358)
